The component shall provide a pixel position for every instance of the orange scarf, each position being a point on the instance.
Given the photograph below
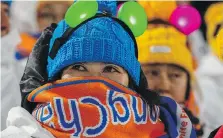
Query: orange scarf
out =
(94, 107)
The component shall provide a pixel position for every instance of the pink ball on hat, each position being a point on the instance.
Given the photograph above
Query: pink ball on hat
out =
(118, 7)
(186, 18)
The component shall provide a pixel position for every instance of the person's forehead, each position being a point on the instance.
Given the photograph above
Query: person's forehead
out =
(163, 65)
(95, 63)
(53, 9)
(154, 65)
(54, 5)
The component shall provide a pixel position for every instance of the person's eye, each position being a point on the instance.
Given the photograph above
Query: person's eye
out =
(47, 16)
(154, 72)
(79, 67)
(6, 10)
(111, 69)
(175, 75)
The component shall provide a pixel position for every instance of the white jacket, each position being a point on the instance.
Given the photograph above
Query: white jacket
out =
(21, 124)
(210, 80)
(11, 72)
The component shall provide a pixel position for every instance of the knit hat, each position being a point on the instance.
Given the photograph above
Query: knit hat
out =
(164, 45)
(213, 19)
(98, 39)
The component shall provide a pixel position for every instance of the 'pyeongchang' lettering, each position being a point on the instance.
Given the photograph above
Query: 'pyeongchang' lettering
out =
(119, 110)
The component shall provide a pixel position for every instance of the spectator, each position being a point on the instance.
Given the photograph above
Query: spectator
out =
(168, 66)
(47, 12)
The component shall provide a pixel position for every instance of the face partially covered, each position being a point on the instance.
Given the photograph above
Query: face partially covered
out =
(169, 80)
(4, 19)
(110, 71)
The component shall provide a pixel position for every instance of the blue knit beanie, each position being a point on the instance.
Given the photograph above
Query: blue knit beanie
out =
(101, 39)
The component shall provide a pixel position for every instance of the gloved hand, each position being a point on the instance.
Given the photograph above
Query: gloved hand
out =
(196, 123)
(175, 119)
(35, 73)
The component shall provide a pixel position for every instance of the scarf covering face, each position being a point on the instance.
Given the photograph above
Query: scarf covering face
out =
(97, 107)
